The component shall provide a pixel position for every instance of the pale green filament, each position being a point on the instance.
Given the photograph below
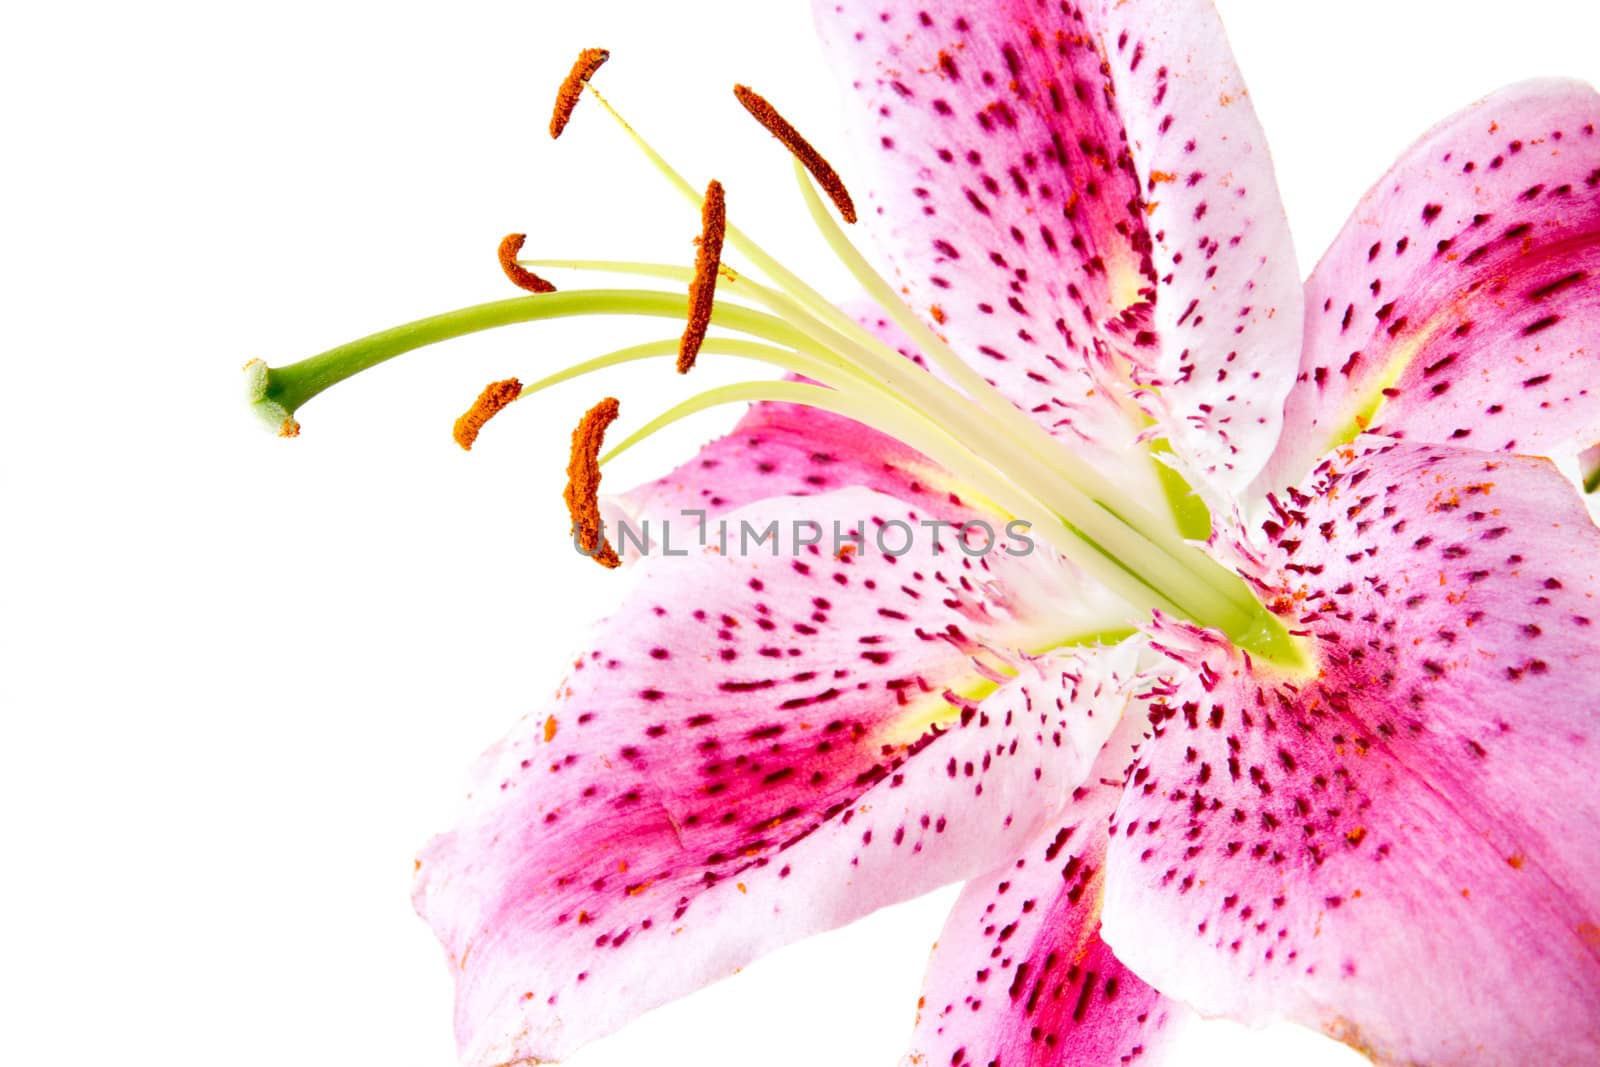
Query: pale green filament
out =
(1190, 513)
(1160, 565)
(737, 238)
(786, 358)
(1165, 567)
(943, 449)
(873, 361)
(1034, 437)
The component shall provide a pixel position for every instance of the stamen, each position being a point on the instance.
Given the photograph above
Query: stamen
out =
(583, 68)
(583, 482)
(780, 128)
(495, 396)
(703, 289)
(520, 276)
(1020, 468)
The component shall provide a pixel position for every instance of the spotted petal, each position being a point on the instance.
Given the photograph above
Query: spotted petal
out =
(1020, 976)
(785, 450)
(1080, 198)
(758, 748)
(1398, 846)
(1460, 301)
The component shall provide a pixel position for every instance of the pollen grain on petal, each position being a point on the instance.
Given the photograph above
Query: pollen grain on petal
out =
(583, 68)
(495, 396)
(520, 276)
(703, 288)
(779, 127)
(583, 482)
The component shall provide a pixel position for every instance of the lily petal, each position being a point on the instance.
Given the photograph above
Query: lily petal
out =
(784, 450)
(1020, 976)
(1080, 198)
(1460, 300)
(1398, 846)
(760, 747)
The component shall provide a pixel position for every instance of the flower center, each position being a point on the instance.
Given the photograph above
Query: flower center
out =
(957, 417)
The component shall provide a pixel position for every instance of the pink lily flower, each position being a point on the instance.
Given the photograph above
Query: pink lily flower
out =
(1334, 765)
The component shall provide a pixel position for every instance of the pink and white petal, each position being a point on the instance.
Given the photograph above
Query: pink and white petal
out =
(1461, 298)
(1229, 301)
(758, 747)
(1080, 198)
(1398, 846)
(965, 190)
(1020, 976)
(784, 450)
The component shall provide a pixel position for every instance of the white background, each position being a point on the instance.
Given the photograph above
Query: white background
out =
(243, 678)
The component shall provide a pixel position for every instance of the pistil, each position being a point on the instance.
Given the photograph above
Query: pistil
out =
(967, 426)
